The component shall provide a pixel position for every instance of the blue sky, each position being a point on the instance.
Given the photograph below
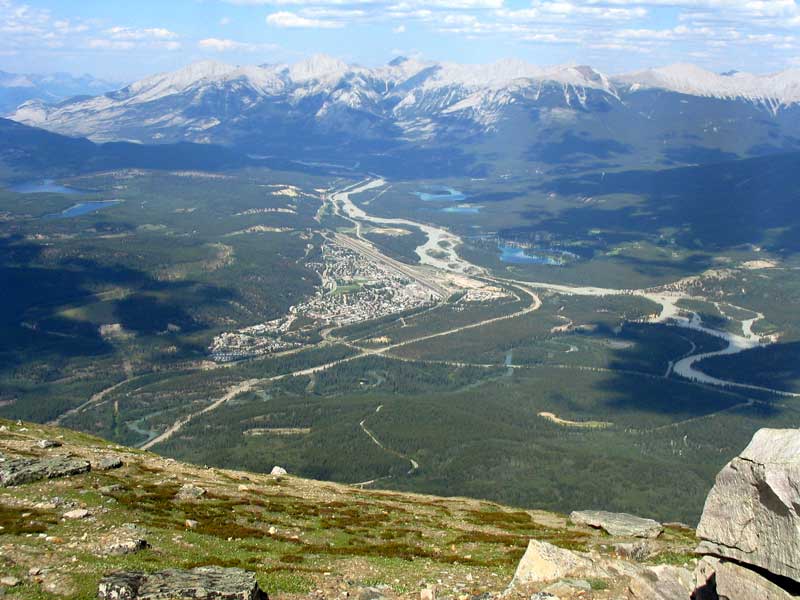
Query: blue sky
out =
(127, 40)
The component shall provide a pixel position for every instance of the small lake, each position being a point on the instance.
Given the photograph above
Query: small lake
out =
(441, 194)
(521, 256)
(45, 186)
(82, 208)
(465, 209)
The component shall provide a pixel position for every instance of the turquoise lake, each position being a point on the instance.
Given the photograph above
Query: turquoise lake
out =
(444, 194)
(83, 208)
(519, 256)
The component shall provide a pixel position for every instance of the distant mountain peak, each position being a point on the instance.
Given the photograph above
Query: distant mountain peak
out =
(319, 67)
(775, 89)
(407, 99)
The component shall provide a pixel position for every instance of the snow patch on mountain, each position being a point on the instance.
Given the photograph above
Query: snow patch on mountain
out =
(774, 90)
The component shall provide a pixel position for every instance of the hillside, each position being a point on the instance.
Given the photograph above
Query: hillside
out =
(300, 537)
(31, 150)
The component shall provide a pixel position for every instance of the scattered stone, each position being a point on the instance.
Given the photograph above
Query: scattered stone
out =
(371, 593)
(545, 562)
(110, 489)
(638, 551)
(717, 579)
(191, 524)
(428, 593)
(215, 583)
(618, 524)
(58, 584)
(663, 582)
(9, 581)
(44, 444)
(276, 470)
(28, 470)
(108, 463)
(78, 513)
(189, 491)
(272, 530)
(752, 513)
(127, 539)
(542, 596)
(126, 546)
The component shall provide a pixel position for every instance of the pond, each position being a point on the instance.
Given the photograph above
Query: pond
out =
(441, 194)
(520, 256)
(463, 209)
(82, 208)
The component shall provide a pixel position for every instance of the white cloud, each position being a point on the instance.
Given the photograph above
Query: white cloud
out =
(218, 45)
(226, 45)
(130, 33)
(293, 20)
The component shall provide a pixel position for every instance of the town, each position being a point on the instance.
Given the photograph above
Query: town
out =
(353, 288)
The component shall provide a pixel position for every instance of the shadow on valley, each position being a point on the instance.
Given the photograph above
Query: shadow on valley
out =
(710, 207)
(574, 146)
(648, 350)
(52, 306)
(776, 366)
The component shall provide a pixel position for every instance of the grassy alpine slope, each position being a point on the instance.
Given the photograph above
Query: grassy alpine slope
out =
(297, 535)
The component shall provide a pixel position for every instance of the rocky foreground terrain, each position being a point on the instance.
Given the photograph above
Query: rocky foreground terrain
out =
(83, 518)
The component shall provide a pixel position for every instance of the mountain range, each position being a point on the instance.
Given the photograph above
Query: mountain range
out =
(16, 89)
(456, 114)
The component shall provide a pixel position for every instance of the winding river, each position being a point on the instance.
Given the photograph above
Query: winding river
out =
(439, 251)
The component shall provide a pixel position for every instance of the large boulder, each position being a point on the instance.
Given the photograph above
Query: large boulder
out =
(545, 562)
(28, 470)
(662, 582)
(617, 524)
(751, 514)
(719, 579)
(209, 583)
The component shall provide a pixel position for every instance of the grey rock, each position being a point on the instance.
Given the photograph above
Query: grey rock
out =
(663, 582)
(108, 462)
(78, 513)
(189, 491)
(618, 524)
(28, 470)
(638, 551)
(209, 583)
(276, 470)
(126, 545)
(371, 593)
(719, 579)
(110, 489)
(751, 514)
(49, 444)
(545, 562)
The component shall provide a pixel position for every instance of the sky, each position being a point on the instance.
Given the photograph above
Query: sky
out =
(124, 41)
